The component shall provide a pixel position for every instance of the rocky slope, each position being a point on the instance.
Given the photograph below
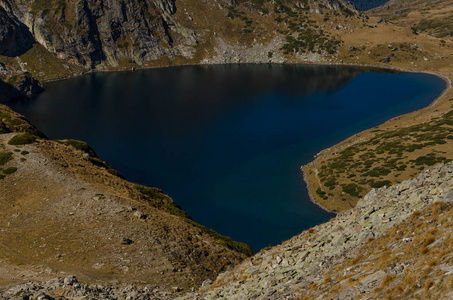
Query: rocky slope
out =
(397, 241)
(371, 251)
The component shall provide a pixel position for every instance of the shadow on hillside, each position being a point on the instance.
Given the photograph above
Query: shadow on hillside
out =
(15, 38)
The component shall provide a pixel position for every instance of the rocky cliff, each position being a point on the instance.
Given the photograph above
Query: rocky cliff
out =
(109, 34)
(15, 38)
(89, 33)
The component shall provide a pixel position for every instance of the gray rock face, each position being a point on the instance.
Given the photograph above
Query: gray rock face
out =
(91, 32)
(15, 38)
(281, 272)
(101, 34)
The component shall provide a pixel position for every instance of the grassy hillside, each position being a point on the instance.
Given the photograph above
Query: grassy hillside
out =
(431, 17)
(402, 147)
(68, 211)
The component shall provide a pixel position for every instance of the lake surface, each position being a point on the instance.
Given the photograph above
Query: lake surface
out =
(227, 142)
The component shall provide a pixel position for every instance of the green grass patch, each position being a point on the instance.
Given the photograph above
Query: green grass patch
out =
(379, 184)
(5, 157)
(378, 171)
(10, 170)
(100, 163)
(352, 189)
(22, 139)
(428, 160)
(81, 146)
(321, 193)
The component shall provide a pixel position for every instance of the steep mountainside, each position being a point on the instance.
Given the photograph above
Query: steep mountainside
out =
(112, 33)
(65, 211)
(396, 241)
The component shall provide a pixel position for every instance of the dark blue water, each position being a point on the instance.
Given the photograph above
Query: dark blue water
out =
(227, 142)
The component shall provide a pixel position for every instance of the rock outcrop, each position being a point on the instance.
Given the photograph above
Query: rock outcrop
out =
(90, 32)
(15, 38)
(71, 288)
(107, 34)
(20, 86)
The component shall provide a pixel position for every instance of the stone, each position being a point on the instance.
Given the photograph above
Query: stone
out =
(126, 241)
(69, 280)
(206, 283)
(448, 198)
(138, 214)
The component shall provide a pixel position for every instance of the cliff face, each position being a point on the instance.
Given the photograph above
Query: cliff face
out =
(15, 38)
(90, 32)
(110, 33)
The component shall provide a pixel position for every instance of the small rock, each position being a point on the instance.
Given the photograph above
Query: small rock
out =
(206, 283)
(126, 241)
(448, 198)
(139, 215)
(69, 280)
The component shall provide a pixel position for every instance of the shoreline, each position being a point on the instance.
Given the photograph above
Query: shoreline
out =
(440, 75)
(310, 194)
(448, 87)
(371, 66)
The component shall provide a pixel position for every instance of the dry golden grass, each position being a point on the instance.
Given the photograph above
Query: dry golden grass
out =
(386, 281)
